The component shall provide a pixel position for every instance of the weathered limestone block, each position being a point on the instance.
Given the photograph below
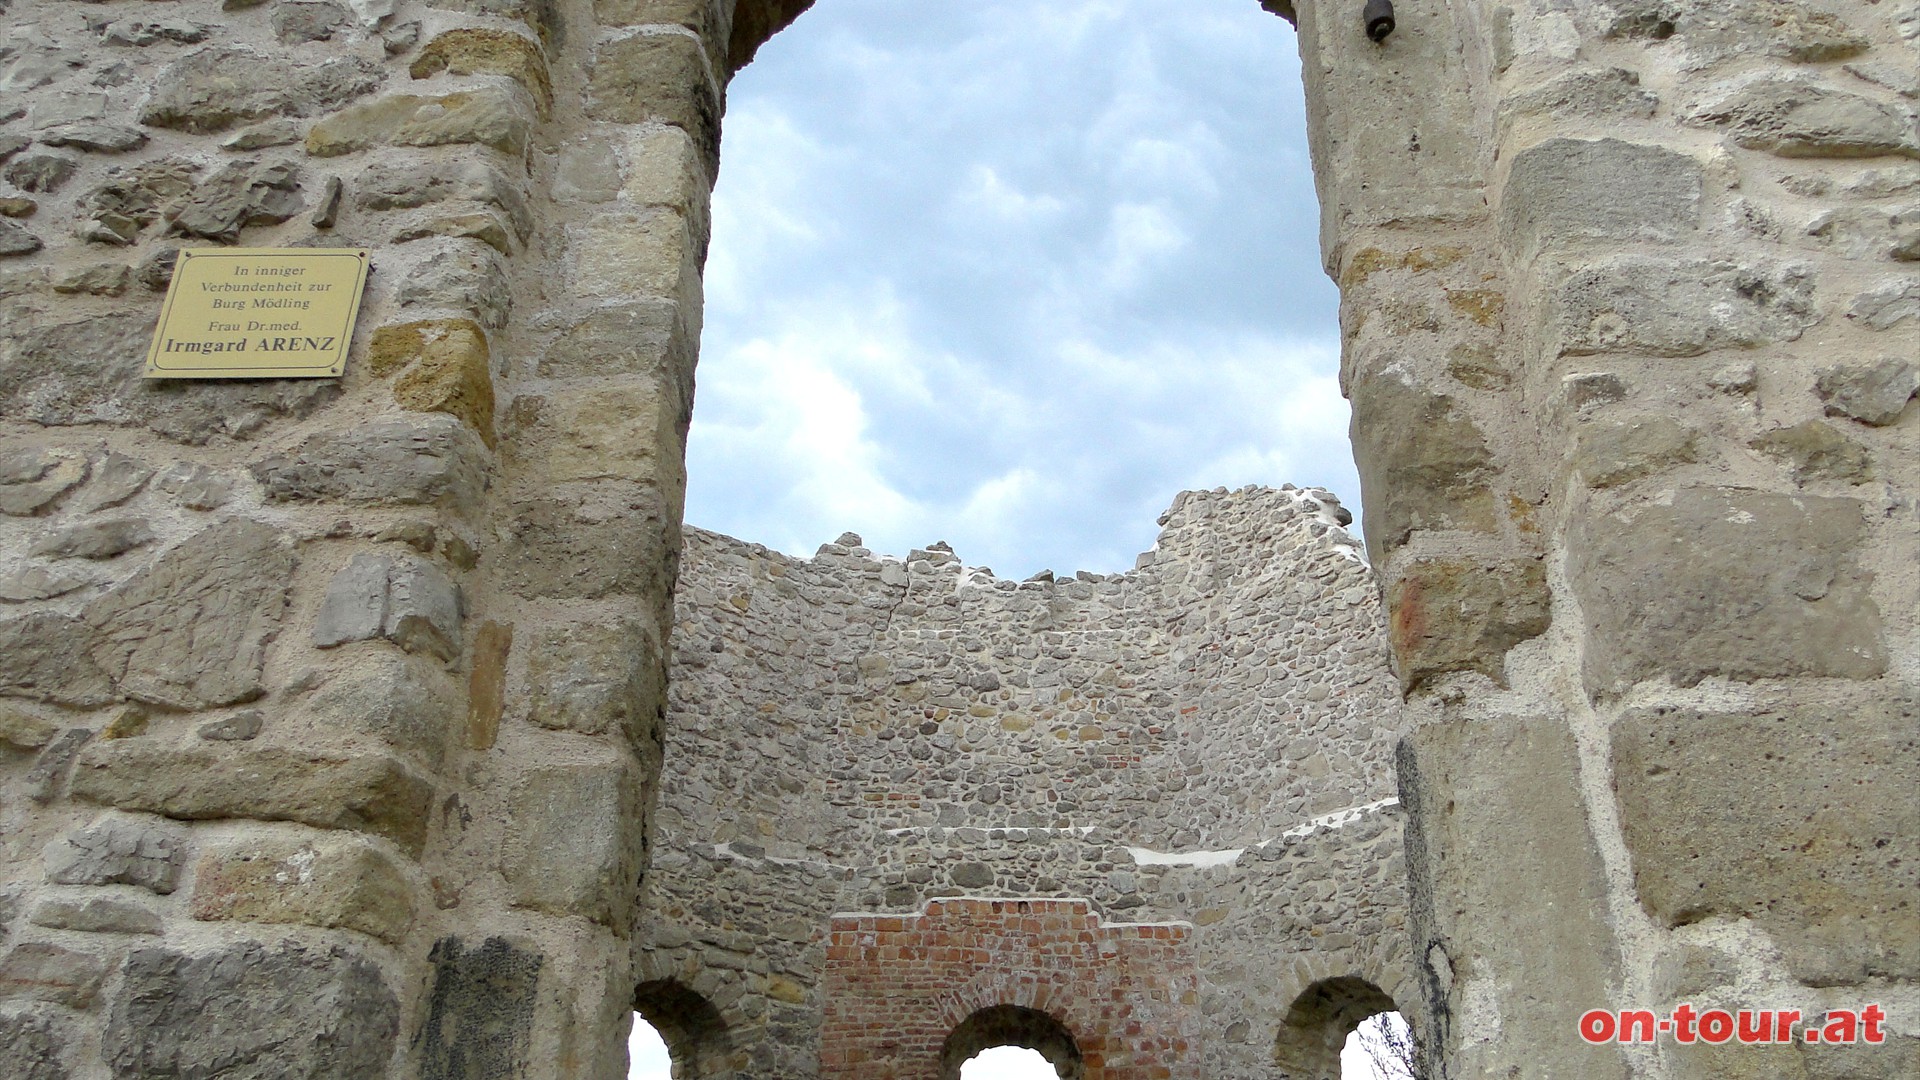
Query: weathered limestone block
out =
(282, 1011)
(541, 15)
(1801, 818)
(48, 657)
(97, 915)
(95, 138)
(1458, 615)
(1888, 304)
(241, 194)
(483, 225)
(363, 792)
(42, 782)
(89, 372)
(499, 117)
(1494, 814)
(479, 1020)
(400, 187)
(570, 847)
(34, 1045)
(1817, 451)
(660, 78)
(1872, 393)
(595, 679)
(41, 971)
(120, 850)
(22, 730)
(140, 33)
(1611, 92)
(40, 173)
(646, 337)
(443, 366)
(95, 539)
(624, 430)
(554, 549)
(33, 477)
(468, 279)
(1569, 190)
(479, 51)
(233, 578)
(222, 85)
(1616, 452)
(1428, 464)
(129, 201)
(408, 703)
(1678, 307)
(622, 256)
(296, 22)
(405, 460)
(586, 172)
(338, 881)
(99, 279)
(116, 478)
(1725, 582)
(1802, 118)
(408, 601)
(16, 240)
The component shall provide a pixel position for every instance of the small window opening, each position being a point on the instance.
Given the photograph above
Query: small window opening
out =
(1008, 1063)
(1381, 1048)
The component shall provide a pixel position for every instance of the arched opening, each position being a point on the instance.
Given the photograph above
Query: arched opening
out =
(1320, 1022)
(1012, 274)
(647, 1055)
(1381, 1048)
(689, 1030)
(1011, 1026)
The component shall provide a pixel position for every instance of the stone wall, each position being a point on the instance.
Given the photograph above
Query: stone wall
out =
(1623, 298)
(1204, 741)
(266, 648)
(331, 711)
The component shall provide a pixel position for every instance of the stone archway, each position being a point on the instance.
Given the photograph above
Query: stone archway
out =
(1318, 1023)
(1012, 1025)
(696, 1034)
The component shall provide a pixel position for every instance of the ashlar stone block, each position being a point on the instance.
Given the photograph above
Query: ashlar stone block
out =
(1725, 582)
(1801, 818)
(249, 1010)
(1570, 190)
(332, 880)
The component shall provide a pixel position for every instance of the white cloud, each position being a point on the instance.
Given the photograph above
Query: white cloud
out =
(1011, 273)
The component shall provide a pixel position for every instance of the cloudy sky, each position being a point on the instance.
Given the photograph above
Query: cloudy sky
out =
(1011, 273)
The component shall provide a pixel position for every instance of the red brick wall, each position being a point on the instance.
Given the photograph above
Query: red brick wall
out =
(897, 985)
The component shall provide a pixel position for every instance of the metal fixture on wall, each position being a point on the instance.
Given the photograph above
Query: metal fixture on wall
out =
(1379, 16)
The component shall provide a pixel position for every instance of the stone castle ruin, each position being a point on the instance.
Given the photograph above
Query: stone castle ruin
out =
(391, 726)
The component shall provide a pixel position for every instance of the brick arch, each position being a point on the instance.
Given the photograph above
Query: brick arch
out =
(1013, 1025)
(1318, 1022)
(698, 1037)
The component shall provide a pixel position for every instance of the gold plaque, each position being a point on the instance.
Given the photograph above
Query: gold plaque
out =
(258, 313)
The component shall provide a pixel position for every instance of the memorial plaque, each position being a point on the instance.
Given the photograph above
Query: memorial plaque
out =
(258, 313)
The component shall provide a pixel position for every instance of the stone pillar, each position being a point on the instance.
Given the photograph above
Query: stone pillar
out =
(1629, 344)
(329, 710)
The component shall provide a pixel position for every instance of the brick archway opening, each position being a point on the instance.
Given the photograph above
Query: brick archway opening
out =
(694, 1031)
(1012, 1025)
(1318, 1022)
